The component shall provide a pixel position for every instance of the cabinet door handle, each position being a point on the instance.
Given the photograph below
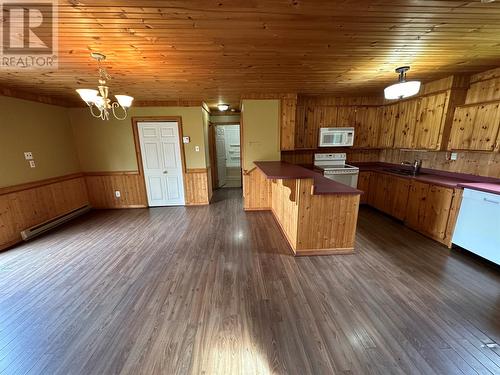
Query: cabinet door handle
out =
(491, 201)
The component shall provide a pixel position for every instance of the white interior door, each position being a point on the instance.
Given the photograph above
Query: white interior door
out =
(162, 163)
(232, 139)
(220, 146)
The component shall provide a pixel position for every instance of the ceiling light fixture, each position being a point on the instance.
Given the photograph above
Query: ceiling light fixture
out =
(99, 98)
(404, 88)
(223, 107)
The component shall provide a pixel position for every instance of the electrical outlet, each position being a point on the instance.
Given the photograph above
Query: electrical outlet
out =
(197, 148)
(32, 164)
(453, 156)
(118, 194)
(28, 155)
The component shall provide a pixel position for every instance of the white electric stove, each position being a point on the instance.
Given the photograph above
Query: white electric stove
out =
(335, 168)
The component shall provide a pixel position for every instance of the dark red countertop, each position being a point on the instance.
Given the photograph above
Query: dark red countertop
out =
(280, 170)
(431, 176)
(482, 186)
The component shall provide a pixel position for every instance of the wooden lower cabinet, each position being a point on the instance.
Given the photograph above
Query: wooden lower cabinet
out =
(389, 194)
(427, 208)
(364, 186)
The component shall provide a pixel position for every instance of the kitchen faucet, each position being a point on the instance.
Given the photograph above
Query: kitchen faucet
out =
(416, 165)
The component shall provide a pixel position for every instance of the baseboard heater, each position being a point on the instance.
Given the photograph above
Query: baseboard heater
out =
(36, 230)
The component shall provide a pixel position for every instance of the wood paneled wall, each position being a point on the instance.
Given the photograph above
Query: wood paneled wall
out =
(198, 186)
(256, 191)
(24, 206)
(307, 156)
(477, 163)
(102, 186)
(288, 118)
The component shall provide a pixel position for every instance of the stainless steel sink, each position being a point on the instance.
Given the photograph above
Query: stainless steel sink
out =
(402, 172)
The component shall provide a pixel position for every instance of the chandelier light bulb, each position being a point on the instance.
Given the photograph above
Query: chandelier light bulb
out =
(99, 100)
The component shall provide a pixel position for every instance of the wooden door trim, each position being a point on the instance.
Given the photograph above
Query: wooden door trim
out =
(137, 143)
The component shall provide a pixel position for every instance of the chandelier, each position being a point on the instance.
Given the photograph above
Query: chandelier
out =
(97, 100)
(403, 88)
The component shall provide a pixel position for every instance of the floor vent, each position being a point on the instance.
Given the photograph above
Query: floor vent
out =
(36, 230)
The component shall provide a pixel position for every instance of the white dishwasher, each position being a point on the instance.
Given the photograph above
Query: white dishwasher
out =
(478, 224)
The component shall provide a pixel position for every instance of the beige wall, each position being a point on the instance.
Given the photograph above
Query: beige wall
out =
(261, 125)
(40, 128)
(109, 145)
(228, 118)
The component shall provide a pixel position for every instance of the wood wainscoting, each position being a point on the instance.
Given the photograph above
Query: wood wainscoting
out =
(198, 186)
(26, 205)
(102, 186)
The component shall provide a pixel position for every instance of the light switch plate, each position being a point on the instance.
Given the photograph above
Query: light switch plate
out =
(28, 155)
(453, 156)
(197, 148)
(118, 194)
(186, 140)
(32, 164)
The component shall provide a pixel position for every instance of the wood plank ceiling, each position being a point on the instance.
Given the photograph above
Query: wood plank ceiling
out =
(218, 50)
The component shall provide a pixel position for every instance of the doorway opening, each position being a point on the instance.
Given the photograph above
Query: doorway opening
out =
(227, 152)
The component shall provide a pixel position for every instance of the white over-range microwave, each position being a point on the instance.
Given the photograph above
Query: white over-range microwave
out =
(336, 137)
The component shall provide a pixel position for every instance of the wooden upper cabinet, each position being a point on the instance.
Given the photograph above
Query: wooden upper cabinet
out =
(405, 124)
(387, 125)
(367, 122)
(288, 123)
(430, 120)
(475, 127)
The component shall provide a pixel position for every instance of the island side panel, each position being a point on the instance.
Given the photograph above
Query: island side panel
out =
(256, 191)
(285, 208)
(326, 223)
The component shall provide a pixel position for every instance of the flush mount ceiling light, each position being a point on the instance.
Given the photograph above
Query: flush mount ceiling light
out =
(404, 88)
(97, 100)
(223, 107)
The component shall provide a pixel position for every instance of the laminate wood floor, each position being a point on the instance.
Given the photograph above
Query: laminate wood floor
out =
(214, 290)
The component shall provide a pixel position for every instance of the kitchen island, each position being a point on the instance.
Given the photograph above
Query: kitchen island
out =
(318, 216)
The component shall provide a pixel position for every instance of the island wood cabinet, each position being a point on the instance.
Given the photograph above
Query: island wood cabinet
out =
(313, 222)
(476, 127)
(427, 208)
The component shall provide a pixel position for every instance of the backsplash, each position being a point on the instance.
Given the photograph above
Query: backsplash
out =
(477, 163)
(307, 156)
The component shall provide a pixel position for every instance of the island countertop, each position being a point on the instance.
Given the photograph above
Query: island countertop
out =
(279, 170)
